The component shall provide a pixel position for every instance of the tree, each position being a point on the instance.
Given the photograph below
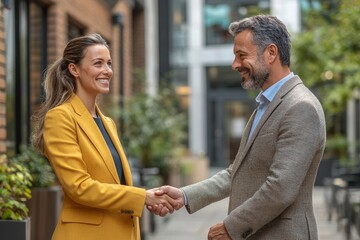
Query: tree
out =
(327, 57)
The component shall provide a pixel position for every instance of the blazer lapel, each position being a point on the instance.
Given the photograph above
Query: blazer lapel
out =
(88, 125)
(246, 145)
(116, 141)
(238, 158)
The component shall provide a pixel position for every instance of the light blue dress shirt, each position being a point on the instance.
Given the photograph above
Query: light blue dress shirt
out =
(264, 98)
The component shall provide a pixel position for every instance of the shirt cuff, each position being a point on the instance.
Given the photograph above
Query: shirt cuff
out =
(185, 198)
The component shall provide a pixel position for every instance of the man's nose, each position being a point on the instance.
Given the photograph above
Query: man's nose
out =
(235, 65)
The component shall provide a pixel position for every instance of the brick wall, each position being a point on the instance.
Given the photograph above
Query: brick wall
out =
(95, 16)
(2, 85)
(123, 8)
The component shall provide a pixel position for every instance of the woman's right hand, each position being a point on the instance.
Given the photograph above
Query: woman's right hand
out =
(164, 204)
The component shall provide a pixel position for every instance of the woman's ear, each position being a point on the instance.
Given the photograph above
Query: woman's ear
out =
(73, 70)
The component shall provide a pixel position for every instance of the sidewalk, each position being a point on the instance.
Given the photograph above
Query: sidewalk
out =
(180, 225)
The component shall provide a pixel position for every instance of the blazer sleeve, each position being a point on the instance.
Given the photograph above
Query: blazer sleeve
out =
(300, 140)
(63, 151)
(208, 191)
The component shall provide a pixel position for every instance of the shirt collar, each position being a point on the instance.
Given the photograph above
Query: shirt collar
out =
(269, 94)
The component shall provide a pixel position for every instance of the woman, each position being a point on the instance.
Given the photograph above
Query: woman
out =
(84, 149)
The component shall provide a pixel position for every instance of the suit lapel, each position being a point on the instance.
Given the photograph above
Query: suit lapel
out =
(238, 158)
(246, 145)
(88, 125)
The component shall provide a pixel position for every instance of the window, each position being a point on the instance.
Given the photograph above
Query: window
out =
(178, 58)
(17, 79)
(38, 53)
(178, 34)
(75, 29)
(218, 14)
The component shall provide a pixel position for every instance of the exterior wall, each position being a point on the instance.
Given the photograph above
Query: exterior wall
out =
(95, 16)
(2, 85)
(139, 40)
(124, 8)
(289, 12)
(197, 79)
(151, 45)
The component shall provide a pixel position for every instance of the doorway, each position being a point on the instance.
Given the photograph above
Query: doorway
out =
(227, 118)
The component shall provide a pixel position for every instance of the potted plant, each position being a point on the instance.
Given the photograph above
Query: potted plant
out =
(45, 204)
(153, 130)
(15, 190)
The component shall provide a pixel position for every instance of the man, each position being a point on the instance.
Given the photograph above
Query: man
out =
(271, 180)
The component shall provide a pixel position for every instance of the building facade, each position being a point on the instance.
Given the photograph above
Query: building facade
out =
(2, 83)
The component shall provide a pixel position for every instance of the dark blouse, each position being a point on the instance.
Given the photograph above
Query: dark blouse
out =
(114, 152)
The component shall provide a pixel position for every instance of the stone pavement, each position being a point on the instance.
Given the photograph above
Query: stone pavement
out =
(180, 225)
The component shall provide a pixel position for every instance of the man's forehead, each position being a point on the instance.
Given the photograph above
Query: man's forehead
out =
(243, 41)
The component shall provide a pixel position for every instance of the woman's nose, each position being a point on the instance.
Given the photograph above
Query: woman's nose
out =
(108, 68)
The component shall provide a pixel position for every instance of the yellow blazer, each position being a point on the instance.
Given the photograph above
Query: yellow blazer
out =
(95, 206)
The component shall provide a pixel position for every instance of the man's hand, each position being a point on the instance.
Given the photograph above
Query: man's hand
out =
(174, 193)
(162, 203)
(218, 232)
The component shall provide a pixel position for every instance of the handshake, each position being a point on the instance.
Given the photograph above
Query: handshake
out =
(163, 200)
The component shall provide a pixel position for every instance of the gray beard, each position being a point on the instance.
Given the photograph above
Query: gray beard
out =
(256, 80)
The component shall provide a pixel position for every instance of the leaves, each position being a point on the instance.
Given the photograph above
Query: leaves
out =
(327, 57)
(15, 184)
(39, 167)
(154, 128)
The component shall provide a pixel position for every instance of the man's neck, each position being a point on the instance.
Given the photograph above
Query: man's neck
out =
(275, 76)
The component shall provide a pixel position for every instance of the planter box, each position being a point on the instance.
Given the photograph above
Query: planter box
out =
(197, 169)
(44, 210)
(15, 230)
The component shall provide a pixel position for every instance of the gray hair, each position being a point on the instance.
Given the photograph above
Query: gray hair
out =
(266, 30)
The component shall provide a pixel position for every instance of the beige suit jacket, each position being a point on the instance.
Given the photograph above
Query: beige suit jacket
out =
(271, 180)
(95, 206)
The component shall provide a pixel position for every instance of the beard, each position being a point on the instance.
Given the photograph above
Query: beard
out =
(257, 77)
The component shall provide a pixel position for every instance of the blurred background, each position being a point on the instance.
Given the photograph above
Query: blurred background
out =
(179, 107)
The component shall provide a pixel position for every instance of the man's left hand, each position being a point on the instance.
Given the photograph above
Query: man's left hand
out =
(218, 231)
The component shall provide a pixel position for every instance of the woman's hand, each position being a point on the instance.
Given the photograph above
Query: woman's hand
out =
(163, 204)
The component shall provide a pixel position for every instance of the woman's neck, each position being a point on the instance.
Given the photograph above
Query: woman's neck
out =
(89, 103)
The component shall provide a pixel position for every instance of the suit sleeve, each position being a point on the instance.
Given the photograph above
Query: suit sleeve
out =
(300, 139)
(63, 151)
(211, 190)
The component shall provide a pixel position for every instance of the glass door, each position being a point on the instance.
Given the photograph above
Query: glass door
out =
(227, 121)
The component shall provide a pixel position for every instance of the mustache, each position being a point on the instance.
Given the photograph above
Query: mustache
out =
(242, 69)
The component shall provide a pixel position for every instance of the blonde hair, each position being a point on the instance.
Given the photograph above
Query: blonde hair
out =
(59, 83)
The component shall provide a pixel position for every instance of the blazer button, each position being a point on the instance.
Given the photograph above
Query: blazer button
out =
(246, 233)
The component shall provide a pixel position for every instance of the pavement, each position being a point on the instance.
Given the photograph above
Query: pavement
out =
(180, 225)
